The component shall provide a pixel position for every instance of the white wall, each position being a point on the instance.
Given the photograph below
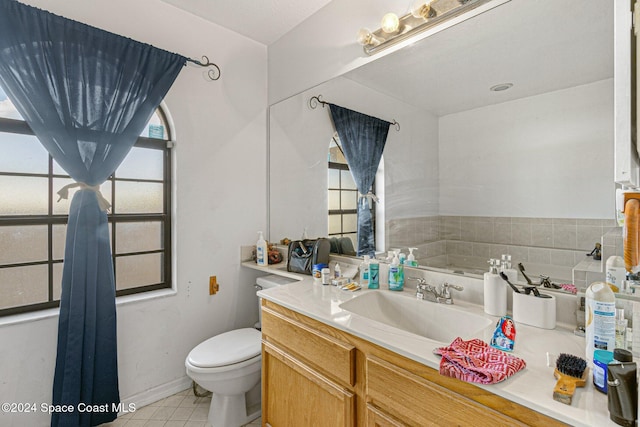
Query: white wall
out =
(500, 161)
(298, 150)
(220, 201)
(324, 46)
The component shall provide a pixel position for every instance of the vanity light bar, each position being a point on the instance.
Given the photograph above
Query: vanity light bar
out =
(435, 13)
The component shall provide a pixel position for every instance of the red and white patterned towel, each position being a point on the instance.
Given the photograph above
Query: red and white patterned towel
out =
(477, 362)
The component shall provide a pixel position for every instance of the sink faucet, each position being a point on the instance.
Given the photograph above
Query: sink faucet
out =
(425, 291)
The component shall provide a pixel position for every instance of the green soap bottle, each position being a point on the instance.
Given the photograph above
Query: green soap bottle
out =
(396, 274)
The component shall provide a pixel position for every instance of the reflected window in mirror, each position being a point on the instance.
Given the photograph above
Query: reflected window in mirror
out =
(343, 196)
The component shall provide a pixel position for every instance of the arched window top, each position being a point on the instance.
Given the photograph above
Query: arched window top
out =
(336, 155)
(7, 109)
(157, 128)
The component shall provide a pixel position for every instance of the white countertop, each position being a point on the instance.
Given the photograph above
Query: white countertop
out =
(531, 387)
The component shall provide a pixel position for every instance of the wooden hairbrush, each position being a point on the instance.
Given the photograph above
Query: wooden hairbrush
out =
(571, 372)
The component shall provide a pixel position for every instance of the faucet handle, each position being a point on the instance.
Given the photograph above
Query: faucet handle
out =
(421, 287)
(446, 294)
(447, 285)
(420, 280)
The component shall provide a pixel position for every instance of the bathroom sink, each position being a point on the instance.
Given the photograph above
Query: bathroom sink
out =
(438, 322)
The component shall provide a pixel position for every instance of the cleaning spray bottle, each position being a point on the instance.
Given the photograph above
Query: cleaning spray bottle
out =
(396, 274)
(411, 259)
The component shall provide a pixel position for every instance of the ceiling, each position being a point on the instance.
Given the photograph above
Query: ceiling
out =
(264, 21)
(539, 46)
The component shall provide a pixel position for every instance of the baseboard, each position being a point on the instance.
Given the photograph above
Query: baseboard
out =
(154, 394)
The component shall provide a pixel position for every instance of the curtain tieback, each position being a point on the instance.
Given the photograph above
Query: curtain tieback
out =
(102, 202)
(370, 195)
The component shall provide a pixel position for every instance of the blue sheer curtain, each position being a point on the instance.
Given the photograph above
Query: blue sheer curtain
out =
(363, 138)
(87, 94)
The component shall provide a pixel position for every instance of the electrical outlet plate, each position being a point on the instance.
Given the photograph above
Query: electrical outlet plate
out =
(213, 285)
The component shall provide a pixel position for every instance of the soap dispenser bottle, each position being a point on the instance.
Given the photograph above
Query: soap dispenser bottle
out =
(389, 257)
(261, 250)
(402, 257)
(396, 274)
(506, 268)
(411, 259)
(495, 291)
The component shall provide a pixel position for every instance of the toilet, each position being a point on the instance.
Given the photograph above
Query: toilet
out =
(229, 366)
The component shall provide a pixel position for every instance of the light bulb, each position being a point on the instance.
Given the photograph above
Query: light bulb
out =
(364, 36)
(421, 8)
(390, 23)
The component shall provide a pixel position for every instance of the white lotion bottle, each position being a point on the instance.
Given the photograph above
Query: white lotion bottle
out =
(600, 319)
(495, 291)
(261, 250)
(616, 272)
(364, 272)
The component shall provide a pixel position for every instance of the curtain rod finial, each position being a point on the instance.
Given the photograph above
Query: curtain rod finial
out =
(315, 100)
(213, 73)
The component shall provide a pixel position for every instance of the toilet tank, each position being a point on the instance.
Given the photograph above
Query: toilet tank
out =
(268, 282)
(272, 280)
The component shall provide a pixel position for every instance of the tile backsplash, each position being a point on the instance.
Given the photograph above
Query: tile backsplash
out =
(550, 246)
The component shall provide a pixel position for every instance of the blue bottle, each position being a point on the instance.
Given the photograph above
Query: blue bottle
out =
(374, 274)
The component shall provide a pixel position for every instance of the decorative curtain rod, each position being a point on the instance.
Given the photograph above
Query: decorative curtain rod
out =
(213, 73)
(315, 100)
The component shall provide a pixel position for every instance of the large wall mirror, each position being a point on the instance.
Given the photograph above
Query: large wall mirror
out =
(506, 141)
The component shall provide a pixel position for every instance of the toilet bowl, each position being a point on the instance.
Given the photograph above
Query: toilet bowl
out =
(229, 366)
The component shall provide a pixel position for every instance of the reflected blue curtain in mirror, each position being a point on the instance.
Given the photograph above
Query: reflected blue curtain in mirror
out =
(87, 94)
(363, 138)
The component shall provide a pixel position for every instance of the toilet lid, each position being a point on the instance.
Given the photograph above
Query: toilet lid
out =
(226, 349)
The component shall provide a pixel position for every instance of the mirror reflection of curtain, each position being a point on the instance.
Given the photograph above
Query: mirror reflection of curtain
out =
(363, 138)
(87, 94)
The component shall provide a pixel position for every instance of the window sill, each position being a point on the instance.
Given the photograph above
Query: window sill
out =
(53, 312)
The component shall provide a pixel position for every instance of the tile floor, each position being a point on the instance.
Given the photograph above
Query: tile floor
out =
(180, 410)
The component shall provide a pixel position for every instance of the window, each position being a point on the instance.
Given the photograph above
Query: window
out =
(33, 223)
(343, 196)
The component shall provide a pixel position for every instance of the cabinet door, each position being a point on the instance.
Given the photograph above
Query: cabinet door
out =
(295, 395)
(418, 402)
(377, 418)
(329, 356)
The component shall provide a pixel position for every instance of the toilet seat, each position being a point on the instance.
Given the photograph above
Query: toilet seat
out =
(226, 349)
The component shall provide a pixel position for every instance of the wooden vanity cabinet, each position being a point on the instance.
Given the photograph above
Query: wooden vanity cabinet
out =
(316, 375)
